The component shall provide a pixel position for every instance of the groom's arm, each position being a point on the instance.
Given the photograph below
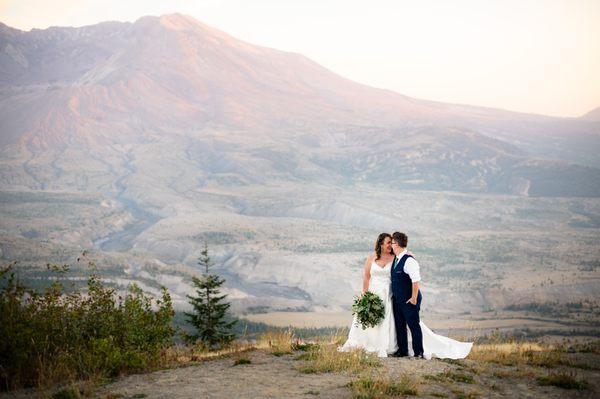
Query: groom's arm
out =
(412, 268)
(415, 293)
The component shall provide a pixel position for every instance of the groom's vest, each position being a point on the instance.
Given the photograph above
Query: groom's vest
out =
(401, 282)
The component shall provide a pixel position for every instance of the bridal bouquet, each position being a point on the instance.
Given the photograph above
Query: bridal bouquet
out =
(369, 309)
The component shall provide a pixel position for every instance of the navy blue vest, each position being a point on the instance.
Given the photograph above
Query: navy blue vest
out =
(401, 282)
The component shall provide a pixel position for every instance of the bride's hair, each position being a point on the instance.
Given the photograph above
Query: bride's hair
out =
(379, 243)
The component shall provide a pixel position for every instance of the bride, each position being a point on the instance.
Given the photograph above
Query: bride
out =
(382, 339)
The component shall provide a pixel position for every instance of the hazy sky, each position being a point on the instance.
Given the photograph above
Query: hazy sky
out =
(532, 56)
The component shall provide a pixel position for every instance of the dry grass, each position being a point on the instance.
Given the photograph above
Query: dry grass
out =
(563, 380)
(458, 376)
(183, 355)
(338, 337)
(515, 353)
(242, 360)
(504, 374)
(50, 373)
(460, 394)
(588, 347)
(71, 389)
(451, 376)
(278, 342)
(368, 387)
(326, 358)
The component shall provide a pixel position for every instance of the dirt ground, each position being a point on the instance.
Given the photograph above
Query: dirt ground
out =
(269, 376)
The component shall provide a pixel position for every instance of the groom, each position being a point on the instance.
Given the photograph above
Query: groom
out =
(406, 298)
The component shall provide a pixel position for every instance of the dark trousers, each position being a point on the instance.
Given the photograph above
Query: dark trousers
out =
(408, 314)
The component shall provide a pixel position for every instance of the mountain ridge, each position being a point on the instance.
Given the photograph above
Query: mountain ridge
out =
(174, 21)
(593, 115)
(114, 84)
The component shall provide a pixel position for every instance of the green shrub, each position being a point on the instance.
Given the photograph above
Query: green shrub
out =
(53, 336)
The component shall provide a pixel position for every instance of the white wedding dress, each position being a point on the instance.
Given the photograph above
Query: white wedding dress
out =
(381, 339)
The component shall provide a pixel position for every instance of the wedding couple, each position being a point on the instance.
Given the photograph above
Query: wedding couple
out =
(393, 274)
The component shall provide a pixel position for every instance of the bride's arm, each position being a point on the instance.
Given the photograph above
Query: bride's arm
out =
(367, 274)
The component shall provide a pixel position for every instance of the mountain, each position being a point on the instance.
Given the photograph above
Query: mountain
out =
(593, 115)
(174, 71)
(252, 113)
(139, 141)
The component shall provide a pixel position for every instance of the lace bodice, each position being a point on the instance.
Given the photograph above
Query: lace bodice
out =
(381, 273)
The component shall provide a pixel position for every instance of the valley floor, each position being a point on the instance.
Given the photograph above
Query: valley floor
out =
(465, 326)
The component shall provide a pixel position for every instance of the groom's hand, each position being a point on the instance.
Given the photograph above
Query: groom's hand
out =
(412, 301)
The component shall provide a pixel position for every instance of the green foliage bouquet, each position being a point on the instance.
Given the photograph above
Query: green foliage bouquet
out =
(369, 309)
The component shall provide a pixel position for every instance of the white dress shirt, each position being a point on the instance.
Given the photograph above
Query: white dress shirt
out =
(411, 267)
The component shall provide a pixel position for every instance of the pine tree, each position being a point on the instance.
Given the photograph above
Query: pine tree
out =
(209, 316)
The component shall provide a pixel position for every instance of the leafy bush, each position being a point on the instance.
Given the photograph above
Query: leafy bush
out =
(52, 336)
